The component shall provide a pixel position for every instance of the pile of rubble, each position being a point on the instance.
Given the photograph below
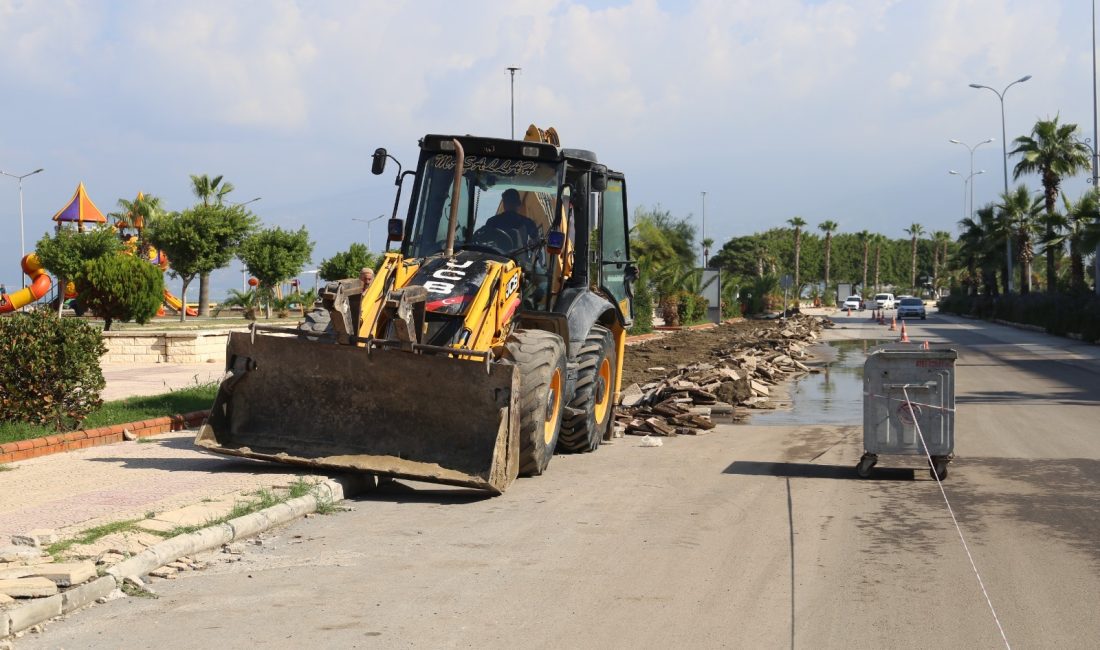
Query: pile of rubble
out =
(734, 380)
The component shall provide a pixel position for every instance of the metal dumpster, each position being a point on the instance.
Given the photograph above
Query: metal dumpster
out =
(891, 422)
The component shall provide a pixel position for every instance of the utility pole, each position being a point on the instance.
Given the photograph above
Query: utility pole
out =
(512, 69)
(22, 240)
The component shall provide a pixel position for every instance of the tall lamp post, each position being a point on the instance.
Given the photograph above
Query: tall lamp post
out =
(987, 141)
(237, 205)
(966, 182)
(512, 69)
(22, 242)
(1096, 138)
(368, 222)
(1004, 149)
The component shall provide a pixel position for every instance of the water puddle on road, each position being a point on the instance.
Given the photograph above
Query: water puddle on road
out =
(832, 396)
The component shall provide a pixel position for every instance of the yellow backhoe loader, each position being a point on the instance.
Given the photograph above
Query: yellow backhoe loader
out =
(491, 338)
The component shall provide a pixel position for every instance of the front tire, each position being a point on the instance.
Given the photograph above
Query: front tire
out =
(592, 397)
(540, 359)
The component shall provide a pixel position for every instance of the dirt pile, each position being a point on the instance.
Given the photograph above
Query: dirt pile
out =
(729, 370)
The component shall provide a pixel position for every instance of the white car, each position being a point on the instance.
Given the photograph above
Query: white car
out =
(885, 301)
(912, 308)
(853, 302)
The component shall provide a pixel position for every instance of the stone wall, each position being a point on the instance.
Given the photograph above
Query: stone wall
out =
(164, 347)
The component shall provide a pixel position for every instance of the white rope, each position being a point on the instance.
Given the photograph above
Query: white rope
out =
(951, 511)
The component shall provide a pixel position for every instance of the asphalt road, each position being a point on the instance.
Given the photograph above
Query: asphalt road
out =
(752, 536)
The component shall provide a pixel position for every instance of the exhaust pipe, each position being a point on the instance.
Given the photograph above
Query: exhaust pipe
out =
(456, 192)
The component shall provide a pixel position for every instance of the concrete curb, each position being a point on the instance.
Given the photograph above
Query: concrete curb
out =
(24, 449)
(41, 610)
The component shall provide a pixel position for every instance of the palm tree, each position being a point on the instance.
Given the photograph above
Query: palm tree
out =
(828, 227)
(206, 188)
(878, 240)
(915, 231)
(1053, 151)
(707, 243)
(940, 239)
(1072, 228)
(1019, 211)
(798, 223)
(864, 238)
(137, 213)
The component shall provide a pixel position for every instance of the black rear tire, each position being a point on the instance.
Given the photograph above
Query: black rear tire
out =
(540, 359)
(592, 395)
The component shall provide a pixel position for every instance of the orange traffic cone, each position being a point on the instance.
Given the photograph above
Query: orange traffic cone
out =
(848, 312)
(904, 337)
(925, 346)
(874, 315)
(894, 324)
(881, 318)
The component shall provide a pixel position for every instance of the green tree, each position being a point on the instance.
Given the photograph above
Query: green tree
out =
(878, 240)
(864, 237)
(915, 231)
(200, 239)
(707, 243)
(211, 191)
(828, 227)
(797, 223)
(1054, 152)
(347, 264)
(65, 253)
(1072, 228)
(137, 213)
(274, 255)
(121, 287)
(1019, 211)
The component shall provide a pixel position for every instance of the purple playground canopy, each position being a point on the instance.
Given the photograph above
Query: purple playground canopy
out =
(80, 209)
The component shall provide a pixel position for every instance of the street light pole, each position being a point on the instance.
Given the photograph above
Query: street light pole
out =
(987, 141)
(237, 205)
(368, 222)
(22, 241)
(1004, 149)
(967, 182)
(1095, 138)
(512, 70)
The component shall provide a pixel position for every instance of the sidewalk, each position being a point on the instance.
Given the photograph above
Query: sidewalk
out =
(134, 380)
(77, 490)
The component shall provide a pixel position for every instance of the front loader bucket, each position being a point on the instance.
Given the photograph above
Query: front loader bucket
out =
(389, 412)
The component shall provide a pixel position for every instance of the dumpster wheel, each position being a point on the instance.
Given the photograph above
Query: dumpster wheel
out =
(866, 462)
(938, 468)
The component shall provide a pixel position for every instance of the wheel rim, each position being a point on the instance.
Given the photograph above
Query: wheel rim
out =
(603, 394)
(553, 405)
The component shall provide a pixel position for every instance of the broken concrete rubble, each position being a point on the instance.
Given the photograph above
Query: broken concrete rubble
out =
(734, 380)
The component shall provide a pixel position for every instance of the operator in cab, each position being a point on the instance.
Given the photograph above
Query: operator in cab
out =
(519, 228)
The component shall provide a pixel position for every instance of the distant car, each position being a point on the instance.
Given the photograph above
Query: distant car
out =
(885, 301)
(911, 307)
(853, 302)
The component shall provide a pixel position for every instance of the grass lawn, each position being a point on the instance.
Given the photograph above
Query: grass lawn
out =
(131, 409)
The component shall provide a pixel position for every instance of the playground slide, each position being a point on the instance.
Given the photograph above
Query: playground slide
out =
(176, 304)
(40, 285)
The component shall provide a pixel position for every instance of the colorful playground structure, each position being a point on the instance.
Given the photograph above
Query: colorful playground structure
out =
(80, 210)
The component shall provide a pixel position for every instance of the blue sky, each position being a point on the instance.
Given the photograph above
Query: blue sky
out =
(830, 109)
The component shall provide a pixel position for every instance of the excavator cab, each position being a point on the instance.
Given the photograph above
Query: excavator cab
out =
(492, 337)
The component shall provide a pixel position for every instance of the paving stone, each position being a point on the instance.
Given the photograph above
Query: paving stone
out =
(4, 600)
(68, 573)
(28, 587)
(38, 537)
(23, 555)
(16, 572)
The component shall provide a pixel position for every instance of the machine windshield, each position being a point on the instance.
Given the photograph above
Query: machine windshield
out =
(506, 206)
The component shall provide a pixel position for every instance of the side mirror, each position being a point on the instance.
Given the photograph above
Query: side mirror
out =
(555, 242)
(599, 178)
(378, 162)
(395, 230)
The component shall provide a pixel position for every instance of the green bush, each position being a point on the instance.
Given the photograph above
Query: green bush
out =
(643, 307)
(691, 308)
(121, 287)
(1057, 313)
(49, 370)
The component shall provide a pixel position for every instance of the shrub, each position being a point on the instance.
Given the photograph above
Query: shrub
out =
(347, 264)
(691, 308)
(121, 287)
(643, 307)
(49, 370)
